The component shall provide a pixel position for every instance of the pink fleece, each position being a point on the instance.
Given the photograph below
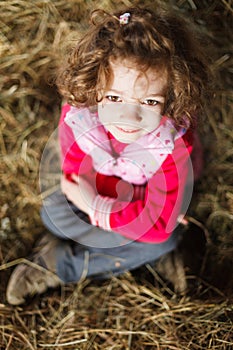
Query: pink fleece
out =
(149, 213)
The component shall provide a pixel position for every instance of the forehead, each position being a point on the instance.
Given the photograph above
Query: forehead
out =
(126, 76)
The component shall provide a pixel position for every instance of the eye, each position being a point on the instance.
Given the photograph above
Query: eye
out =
(150, 102)
(113, 98)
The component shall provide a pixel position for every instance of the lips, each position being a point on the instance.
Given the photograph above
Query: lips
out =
(128, 131)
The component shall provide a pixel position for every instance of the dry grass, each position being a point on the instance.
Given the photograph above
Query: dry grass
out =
(137, 310)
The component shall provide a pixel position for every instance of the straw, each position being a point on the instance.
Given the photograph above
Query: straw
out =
(138, 310)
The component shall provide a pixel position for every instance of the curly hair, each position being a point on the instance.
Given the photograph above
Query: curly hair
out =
(156, 39)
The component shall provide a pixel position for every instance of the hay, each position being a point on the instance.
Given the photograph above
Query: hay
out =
(119, 314)
(137, 310)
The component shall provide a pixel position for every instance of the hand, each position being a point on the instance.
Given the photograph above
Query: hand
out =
(80, 192)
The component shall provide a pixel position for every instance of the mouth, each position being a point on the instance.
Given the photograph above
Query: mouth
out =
(128, 131)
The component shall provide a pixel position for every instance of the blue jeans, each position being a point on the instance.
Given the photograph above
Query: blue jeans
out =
(88, 251)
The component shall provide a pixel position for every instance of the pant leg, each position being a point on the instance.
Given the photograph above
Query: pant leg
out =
(75, 261)
(66, 221)
(87, 251)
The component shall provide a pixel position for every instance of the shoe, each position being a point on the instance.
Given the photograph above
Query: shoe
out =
(187, 258)
(171, 268)
(36, 276)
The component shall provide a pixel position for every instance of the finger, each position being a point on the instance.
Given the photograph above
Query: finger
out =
(63, 184)
(75, 177)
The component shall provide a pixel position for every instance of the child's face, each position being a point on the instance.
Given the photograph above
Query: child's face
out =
(133, 104)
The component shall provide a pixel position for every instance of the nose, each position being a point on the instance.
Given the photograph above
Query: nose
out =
(131, 113)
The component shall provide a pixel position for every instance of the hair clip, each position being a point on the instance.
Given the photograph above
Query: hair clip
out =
(124, 19)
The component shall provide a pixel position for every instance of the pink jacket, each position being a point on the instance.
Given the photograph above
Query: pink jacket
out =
(143, 210)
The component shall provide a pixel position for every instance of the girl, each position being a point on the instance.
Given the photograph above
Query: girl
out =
(135, 84)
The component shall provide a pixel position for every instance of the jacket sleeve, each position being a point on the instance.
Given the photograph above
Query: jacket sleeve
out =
(153, 218)
(72, 157)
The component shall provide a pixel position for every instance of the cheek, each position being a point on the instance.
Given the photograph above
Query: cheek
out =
(151, 118)
(102, 113)
(108, 113)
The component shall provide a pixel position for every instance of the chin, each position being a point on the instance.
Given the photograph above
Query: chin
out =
(125, 138)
